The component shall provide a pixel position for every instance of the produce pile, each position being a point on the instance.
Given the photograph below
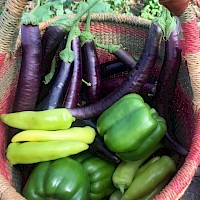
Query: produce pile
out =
(84, 126)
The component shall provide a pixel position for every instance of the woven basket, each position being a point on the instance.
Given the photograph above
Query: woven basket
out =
(131, 33)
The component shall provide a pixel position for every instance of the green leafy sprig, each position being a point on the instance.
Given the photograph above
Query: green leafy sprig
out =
(67, 55)
(167, 22)
(44, 10)
(87, 35)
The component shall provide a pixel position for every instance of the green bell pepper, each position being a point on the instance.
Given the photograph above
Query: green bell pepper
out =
(100, 173)
(61, 179)
(131, 128)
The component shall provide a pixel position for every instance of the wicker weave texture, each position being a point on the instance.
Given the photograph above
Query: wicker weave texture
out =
(9, 22)
(131, 33)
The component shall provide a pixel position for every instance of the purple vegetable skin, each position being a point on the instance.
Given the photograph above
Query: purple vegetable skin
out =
(72, 95)
(110, 84)
(91, 67)
(98, 147)
(135, 80)
(168, 75)
(51, 40)
(112, 67)
(30, 72)
(55, 97)
(125, 57)
(166, 87)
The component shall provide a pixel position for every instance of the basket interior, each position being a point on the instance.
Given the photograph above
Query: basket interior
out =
(131, 34)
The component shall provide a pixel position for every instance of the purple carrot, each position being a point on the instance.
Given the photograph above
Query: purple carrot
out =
(72, 95)
(30, 72)
(91, 68)
(135, 80)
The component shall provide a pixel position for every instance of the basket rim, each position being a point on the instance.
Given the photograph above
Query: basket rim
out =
(106, 17)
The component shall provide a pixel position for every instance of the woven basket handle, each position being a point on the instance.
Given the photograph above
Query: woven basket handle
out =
(9, 29)
(191, 44)
(9, 23)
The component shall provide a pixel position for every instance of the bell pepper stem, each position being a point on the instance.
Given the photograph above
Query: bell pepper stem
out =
(121, 188)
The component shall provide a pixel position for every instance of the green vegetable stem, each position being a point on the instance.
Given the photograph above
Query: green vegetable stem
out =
(67, 55)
